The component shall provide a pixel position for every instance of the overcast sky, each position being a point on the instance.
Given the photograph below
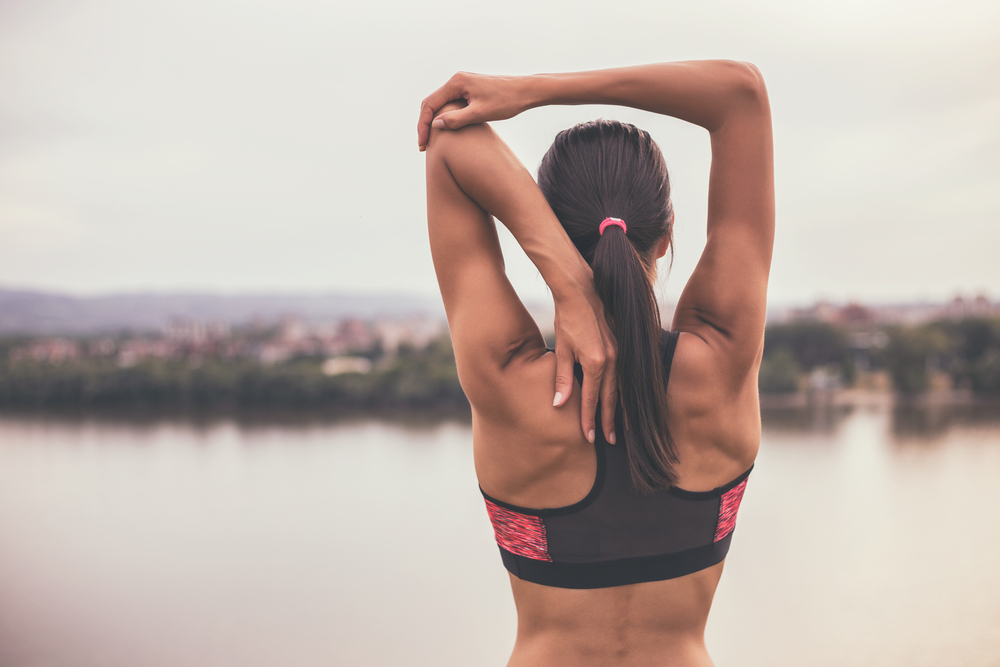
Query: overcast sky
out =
(251, 145)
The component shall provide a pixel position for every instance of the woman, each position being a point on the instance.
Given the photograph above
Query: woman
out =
(615, 533)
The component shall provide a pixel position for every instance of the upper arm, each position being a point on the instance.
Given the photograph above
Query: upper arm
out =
(724, 301)
(489, 324)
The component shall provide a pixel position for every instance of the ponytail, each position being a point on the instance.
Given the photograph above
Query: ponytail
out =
(606, 168)
(622, 281)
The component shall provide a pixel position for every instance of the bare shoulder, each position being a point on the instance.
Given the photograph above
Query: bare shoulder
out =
(524, 388)
(714, 408)
(532, 454)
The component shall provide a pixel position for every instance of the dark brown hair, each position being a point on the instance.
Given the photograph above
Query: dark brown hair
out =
(606, 169)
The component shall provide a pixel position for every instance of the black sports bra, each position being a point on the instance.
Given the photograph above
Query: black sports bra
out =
(616, 535)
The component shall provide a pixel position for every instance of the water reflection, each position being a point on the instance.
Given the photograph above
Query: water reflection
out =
(910, 421)
(818, 417)
(255, 541)
(932, 422)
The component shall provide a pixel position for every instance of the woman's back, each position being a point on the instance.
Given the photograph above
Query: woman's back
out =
(629, 624)
(657, 622)
(614, 550)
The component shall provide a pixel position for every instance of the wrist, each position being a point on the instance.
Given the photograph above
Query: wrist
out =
(567, 88)
(573, 284)
(537, 90)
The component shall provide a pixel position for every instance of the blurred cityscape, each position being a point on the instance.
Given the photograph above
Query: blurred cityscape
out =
(337, 352)
(195, 342)
(854, 314)
(949, 351)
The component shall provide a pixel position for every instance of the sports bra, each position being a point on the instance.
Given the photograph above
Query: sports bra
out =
(617, 536)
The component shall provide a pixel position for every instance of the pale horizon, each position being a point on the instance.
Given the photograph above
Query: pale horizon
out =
(228, 148)
(532, 301)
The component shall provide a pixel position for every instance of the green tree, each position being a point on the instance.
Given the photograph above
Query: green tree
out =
(909, 353)
(972, 352)
(812, 344)
(779, 373)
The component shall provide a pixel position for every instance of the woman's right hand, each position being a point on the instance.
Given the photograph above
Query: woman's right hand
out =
(583, 335)
(487, 98)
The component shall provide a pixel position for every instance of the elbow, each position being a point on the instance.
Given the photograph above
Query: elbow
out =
(749, 84)
(744, 95)
(441, 138)
(742, 81)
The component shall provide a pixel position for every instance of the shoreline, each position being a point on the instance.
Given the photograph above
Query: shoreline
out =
(244, 417)
(774, 407)
(875, 398)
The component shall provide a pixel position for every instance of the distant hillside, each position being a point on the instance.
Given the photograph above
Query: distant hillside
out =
(30, 312)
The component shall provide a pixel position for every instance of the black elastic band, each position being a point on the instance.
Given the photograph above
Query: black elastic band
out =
(714, 493)
(567, 509)
(622, 572)
(668, 354)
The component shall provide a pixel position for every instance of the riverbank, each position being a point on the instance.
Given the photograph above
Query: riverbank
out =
(855, 397)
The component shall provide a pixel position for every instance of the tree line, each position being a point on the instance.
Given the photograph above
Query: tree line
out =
(413, 378)
(967, 352)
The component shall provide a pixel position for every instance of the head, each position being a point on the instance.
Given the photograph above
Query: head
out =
(605, 169)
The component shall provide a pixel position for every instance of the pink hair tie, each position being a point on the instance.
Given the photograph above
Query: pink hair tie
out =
(613, 221)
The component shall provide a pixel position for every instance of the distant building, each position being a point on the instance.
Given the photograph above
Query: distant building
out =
(52, 350)
(417, 332)
(856, 317)
(341, 365)
(960, 308)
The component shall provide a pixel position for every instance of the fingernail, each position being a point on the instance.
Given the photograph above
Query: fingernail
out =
(422, 148)
(611, 437)
(438, 124)
(590, 436)
(557, 400)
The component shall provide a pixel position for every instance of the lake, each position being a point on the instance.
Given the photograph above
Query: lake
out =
(867, 536)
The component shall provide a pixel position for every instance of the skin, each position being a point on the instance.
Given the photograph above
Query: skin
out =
(531, 453)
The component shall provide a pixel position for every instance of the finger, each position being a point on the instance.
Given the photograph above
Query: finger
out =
(589, 397)
(440, 97)
(609, 400)
(428, 108)
(453, 120)
(588, 403)
(424, 124)
(564, 375)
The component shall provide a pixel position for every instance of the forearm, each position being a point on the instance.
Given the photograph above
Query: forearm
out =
(490, 174)
(706, 93)
(471, 173)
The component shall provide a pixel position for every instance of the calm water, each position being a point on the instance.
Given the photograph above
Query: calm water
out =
(866, 537)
